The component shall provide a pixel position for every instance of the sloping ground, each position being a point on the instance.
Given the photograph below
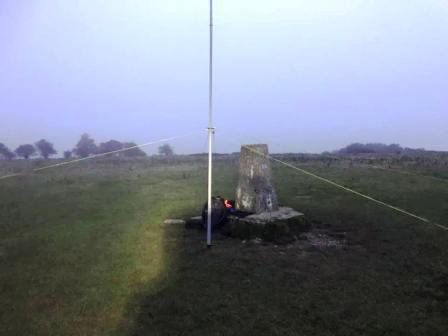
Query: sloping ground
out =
(86, 253)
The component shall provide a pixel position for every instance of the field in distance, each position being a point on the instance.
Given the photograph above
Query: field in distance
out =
(83, 251)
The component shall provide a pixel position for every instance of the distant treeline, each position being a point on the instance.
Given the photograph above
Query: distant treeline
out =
(85, 147)
(377, 148)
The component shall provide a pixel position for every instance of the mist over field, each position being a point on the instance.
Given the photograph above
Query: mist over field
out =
(304, 76)
(317, 205)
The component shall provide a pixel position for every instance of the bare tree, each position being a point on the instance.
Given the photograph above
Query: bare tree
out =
(25, 151)
(45, 148)
(133, 152)
(5, 152)
(109, 146)
(166, 150)
(68, 154)
(86, 146)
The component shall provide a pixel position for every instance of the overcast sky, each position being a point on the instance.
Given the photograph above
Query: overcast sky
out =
(300, 75)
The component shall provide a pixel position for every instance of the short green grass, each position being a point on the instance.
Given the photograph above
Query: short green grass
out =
(83, 251)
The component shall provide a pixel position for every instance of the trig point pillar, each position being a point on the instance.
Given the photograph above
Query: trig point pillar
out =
(255, 192)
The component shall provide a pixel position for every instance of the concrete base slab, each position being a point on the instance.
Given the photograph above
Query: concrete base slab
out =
(283, 213)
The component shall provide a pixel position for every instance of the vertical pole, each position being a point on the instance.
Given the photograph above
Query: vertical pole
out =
(211, 131)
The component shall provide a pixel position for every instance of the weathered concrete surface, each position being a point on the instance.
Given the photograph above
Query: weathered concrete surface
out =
(255, 192)
(285, 225)
(282, 213)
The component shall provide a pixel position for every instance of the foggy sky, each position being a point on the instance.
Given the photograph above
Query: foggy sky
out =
(300, 75)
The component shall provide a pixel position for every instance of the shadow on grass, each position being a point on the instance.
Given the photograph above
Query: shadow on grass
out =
(257, 289)
(390, 279)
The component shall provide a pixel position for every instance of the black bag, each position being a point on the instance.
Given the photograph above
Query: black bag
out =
(219, 212)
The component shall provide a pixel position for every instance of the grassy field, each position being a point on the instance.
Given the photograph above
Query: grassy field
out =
(83, 251)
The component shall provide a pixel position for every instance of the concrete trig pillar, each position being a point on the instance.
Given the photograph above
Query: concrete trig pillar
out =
(255, 192)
